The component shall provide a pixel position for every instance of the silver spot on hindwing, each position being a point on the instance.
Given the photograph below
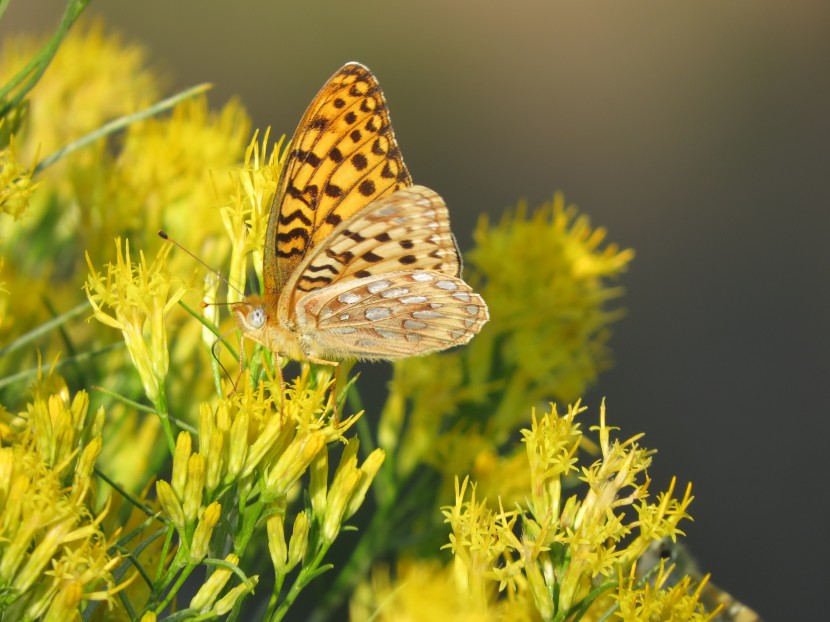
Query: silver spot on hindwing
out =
(378, 313)
(343, 330)
(395, 292)
(448, 285)
(348, 298)
(377, 286)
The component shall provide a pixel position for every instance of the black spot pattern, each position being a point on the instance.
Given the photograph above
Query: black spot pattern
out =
(366, 187)
(359, 161)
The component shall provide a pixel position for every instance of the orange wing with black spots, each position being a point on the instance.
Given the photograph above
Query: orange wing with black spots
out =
(343, 155)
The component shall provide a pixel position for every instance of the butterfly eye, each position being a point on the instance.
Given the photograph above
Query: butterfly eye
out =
(256, 318)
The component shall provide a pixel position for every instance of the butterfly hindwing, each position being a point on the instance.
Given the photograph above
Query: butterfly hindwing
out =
(406, 230)
(391, 315)
(343, 155)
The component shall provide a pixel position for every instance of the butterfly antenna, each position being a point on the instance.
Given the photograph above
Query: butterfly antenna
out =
(164, 236)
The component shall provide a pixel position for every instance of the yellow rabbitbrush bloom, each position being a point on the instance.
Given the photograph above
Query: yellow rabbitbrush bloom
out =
(426, 591)
(546, 281)
(16, 184)
(564, 552)
(245, 215)
(174, 171)
(94, 77)
(167, 172)
(53, 554)
(139, 297)
(661, 600)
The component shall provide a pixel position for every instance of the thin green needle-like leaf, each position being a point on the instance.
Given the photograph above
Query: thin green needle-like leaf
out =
(121, 122)
(34, 68)
(81, 358)
(44, 328)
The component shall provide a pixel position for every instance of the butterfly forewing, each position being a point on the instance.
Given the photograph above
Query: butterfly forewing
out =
(342, 156)
(391, 315)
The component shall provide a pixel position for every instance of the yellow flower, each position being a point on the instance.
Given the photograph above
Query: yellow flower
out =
(205, 599)
(174, 171)
(53, 553)
(94, 77)
(348, 488)
(285, 556)
(426, 591)
(16, 185)
(655, 601)
(245, 214)
(139, 297)
(208, 518)
(570, 547)
(555, 350)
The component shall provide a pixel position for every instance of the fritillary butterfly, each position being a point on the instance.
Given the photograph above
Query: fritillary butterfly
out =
(358, 263)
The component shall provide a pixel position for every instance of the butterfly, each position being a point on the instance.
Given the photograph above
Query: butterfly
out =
(359, 263)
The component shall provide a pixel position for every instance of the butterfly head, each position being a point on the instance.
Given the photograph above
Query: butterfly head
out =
(251, 316)
(257, 321)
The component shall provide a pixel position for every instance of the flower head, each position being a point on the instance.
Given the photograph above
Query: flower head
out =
(16, 184)
(564, 550)
(245, 214)
(53, 552)
(138, 297)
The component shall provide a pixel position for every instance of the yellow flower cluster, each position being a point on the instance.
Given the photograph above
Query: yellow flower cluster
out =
(261, 442)
(556, 555)
(245, 214)
(536, 532)
(53, 553)
(139, 297)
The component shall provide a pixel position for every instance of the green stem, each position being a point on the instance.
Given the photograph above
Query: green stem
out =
(209, 325)
(250, 516)
(305, 576)
(357, 565)
(34, 69)
(144, 508)
(165, 548)
(390, 518)
(144, 408)
(120, 123)
(171, 593)
(161, 410)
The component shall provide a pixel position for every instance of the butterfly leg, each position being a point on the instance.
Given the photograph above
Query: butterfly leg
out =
(282, 383)
(235, 381)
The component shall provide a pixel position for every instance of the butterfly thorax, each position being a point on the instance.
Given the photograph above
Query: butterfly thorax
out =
(258, 321)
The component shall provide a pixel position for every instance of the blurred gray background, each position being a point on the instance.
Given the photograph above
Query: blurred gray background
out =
(697, 132)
